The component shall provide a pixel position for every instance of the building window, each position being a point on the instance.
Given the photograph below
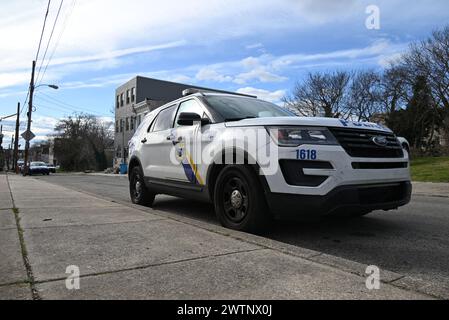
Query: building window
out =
(122, 102)
(117, 127)
(132, 123)
(128, 97)
(127, 124)
(117, 103)
(121, 125)
(139, 119)
(133, 94)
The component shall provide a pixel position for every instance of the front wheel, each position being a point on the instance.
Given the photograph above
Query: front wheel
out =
(239, 200)
(138, 190)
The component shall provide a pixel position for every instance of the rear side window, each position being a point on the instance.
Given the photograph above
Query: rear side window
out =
(164, 119)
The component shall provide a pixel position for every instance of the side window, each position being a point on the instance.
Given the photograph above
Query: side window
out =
(190, 106)
(164, 119)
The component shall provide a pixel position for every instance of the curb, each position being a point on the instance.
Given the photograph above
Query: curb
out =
(388, 277)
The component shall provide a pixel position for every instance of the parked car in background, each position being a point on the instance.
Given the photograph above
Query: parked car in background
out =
(51, 168)
(20, 164)
(38, 168)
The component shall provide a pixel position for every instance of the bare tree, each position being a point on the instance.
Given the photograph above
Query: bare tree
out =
(395, 89)
(430, 58)
(81, 141)
(321, 94)
(365, 95)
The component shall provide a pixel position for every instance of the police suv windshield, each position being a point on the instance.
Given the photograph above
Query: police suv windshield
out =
(233, 108)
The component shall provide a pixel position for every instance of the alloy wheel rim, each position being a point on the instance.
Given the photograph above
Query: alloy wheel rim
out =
(137, 187)
(236, 202)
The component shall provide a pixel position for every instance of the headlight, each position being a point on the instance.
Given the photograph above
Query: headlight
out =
(296, 136)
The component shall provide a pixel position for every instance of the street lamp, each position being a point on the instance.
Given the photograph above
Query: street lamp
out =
(53, 86)
(30, 110)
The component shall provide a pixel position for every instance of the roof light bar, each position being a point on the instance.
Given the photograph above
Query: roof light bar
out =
(190, 91)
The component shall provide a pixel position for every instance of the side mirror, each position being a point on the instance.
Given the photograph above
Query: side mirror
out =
(189, 118)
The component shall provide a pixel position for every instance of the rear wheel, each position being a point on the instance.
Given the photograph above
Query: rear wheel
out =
(239, 200)
(138, 190)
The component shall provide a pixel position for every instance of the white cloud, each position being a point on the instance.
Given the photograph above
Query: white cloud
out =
(259, 74)
(12, 79)
(389, 59)
(42, 126)
(254, 46)
(377, 49)
(264, 68)
(208, 74)
(96, 30)
(271, 96)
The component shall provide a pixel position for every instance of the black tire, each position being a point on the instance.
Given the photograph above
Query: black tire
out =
(239, 200)
(137, 189)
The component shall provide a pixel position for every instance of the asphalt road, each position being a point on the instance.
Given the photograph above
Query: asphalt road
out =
(413, 240)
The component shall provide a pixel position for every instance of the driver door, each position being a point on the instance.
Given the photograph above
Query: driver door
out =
(186, 154)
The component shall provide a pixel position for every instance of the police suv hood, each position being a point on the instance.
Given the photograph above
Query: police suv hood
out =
(307, 121)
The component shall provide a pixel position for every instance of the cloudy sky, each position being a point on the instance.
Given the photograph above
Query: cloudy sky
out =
(258, 47)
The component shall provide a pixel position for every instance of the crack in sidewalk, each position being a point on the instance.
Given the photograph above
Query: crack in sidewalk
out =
(95, 274)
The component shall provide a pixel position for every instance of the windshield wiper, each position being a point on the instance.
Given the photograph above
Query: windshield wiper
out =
(238, 119)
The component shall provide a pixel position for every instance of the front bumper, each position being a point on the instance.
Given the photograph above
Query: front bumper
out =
(348, 184)
(342, 200)
(341, 172)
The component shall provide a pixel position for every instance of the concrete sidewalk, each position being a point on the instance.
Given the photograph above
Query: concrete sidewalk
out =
(128, 252)
(431, 189)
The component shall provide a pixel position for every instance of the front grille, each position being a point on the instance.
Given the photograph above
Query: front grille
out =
(379, 165)
(360, 144)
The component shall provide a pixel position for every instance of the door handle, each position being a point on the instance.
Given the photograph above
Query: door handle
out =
(144, 140)
(178, 141)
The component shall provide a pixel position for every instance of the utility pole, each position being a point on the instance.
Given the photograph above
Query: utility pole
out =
(2, 155)
(16, 140)
(11, 153)
(30, 111)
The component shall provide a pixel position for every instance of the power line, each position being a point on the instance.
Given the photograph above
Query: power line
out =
(49, 39)
(67, 106)
(55, 108)
(43, 29)
(66, 19)
(37, 53)
(25, 101)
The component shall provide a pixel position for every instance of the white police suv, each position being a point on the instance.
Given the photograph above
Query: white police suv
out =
(256, 161)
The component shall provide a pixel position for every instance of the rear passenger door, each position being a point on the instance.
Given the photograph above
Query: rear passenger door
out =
(157, 144)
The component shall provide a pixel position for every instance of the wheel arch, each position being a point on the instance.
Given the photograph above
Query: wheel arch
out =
(133, 162)
(218, 164)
